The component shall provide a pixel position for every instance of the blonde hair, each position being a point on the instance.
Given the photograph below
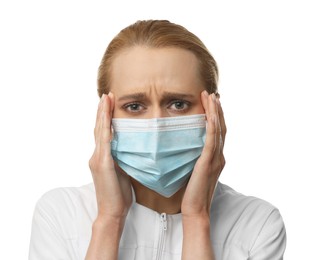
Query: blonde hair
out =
(158, 34)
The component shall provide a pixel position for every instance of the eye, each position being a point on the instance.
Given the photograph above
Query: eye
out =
(133, 107)
(179, 105)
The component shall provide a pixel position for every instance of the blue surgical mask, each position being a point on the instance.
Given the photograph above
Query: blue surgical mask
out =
(160, 153)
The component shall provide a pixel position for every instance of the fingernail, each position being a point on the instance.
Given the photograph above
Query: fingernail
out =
(103, 97)
(205, 93)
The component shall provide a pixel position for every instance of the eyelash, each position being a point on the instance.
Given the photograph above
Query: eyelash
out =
(129, 107)
(183, 102)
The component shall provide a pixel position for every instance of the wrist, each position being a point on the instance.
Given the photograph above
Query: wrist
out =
(106, 235)
(108, 224)
(196, 238)
(197, 223)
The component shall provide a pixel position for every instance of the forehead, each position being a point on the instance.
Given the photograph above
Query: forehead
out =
(163, 67)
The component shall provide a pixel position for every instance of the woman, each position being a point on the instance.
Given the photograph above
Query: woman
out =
(159, 137)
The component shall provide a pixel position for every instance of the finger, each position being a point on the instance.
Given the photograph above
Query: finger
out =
(105, 135)
(222, 126)
(99, 116)
(210, 140)
(111, 96)
(204, 101)
(214, 111)
(103, 120)
(222, 122)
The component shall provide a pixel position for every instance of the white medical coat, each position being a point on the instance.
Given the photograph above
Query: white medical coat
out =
(242, 228)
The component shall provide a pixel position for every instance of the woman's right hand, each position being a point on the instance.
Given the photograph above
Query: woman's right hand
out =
(113, 188)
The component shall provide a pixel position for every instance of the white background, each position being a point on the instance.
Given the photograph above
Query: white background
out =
(49, 55)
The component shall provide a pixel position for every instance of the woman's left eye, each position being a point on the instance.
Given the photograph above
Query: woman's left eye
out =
(179, 105)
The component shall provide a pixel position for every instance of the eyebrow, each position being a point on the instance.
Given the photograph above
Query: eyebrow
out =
(136, 96)
(175, 95)
(166, 95)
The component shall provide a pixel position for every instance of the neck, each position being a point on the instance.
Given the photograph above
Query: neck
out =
(155, 201)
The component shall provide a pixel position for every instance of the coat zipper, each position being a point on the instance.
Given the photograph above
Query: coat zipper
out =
(163, 228)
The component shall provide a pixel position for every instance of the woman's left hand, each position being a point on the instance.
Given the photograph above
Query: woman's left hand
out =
(200, 189)
(197, 200)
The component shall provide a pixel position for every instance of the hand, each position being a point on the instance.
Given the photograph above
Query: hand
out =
(200, 189)
(113, 188)
(199, 192)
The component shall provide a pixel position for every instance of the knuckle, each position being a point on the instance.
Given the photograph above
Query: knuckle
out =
(92, 163)
(223, 162)
(98, 160)
(224, 129)
(95, 162)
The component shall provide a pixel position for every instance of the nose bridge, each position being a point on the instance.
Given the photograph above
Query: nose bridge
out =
(158, 111)
(158, 108)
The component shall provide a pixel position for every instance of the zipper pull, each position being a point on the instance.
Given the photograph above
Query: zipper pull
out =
(164, 221)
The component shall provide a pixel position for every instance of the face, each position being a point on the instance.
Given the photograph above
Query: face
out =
(153, 83)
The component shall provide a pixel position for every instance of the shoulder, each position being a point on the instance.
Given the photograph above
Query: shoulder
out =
(246, 221)
(67, 198)
(227, 199)
(66, 206)
(62, 222)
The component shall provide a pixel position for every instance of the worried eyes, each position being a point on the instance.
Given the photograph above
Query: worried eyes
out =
(175, 106)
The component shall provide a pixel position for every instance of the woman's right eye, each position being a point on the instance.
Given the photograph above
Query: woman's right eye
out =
(134, 107)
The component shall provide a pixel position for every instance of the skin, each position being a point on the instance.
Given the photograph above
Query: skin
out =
(149, 83)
